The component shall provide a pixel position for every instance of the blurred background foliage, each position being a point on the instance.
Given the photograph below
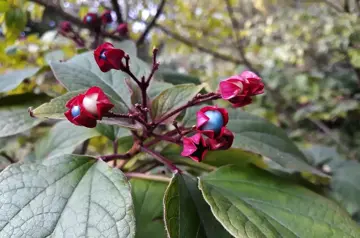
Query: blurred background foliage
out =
(307, 52)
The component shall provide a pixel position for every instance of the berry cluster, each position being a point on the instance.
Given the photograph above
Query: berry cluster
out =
(210, 131)
(97, 24)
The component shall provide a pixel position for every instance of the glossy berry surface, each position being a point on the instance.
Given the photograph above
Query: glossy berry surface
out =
(215, 122)
(75, 111)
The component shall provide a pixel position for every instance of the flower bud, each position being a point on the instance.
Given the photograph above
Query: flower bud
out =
(238, 89)
(108, 57)
(85, 109)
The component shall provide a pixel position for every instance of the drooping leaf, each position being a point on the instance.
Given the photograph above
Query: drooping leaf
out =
(16, 120)
(173, 98)
(251, 202)
(11, 80)
(23, 100)
(62, 139)
(320, 154)
(65, 196)
(147, 197)
(186, 212)
(259, 136)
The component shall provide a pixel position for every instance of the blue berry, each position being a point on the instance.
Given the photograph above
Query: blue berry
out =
(102, 55)
(75, 111)
(88, 19)
(215, 122)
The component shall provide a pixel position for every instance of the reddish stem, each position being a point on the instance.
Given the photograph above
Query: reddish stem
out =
(161, 159)
(193, 102)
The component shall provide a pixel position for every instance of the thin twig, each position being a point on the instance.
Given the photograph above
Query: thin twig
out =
(148, 177)
(161, 159)
(236, 28)
(332, 5)
(151, 24)
(194, 44)
(189, 104)
(117, 10)
(73, 19)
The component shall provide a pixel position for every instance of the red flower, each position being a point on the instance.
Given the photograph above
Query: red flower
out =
(122, 29)
(91, 19)
(65, 27)
(222, 143)
(85, 109)
(238, 89)
(212, 120)
(195, 147)
(107, 57)
(106, 17)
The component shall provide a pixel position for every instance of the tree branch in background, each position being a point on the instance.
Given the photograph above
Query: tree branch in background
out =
(69, 17)
(236, 27)
(193, 44)
(151, 24)
(117, 10)
(273, 93)
(332, 5)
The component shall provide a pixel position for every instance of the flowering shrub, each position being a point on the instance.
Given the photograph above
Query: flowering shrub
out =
(184, 161)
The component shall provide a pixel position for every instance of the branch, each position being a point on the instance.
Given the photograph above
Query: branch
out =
(69, 17)
(193, 44)
(161, 159)
(148, 177)
(236, 27)
(151, 24)
(116, 8)
(191, 103)
(332, 5)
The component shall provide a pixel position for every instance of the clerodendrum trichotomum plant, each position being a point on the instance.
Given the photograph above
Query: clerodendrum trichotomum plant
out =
(186, 161)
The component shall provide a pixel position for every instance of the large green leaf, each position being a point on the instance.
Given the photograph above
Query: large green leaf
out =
(251, 202)
(16, 120)
(345, 186)
(11, 80)
(147, 197)
(186, 212)
(172, 98)
(63, 139)
(260, 136)
(65, 196)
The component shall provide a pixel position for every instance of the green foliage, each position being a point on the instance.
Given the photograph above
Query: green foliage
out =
(73, 194)
(11, 80)
(147, 197)
(62, 139)
(307, 56)
(186, 212)
(176, 96)
(253, 203)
